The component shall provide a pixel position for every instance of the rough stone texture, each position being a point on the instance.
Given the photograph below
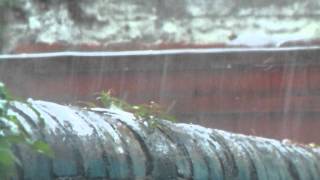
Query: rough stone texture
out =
(111, 144)
(140, 23)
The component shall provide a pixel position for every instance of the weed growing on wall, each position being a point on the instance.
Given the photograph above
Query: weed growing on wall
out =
(150, 113)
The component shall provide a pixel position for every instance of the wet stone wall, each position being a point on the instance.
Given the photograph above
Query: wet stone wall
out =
(48, 25)
(102, 143)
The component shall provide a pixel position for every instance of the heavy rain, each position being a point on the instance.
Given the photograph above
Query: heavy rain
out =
(134, 89)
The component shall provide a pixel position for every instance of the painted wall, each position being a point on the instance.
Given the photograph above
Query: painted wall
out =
(267, 93)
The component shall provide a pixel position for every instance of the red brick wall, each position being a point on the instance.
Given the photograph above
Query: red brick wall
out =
(267, 93)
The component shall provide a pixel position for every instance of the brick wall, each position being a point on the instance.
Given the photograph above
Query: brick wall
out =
(267, 93)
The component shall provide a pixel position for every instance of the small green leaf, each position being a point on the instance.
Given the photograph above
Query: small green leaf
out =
(4, 143)
(15, 139)
(43, 148)
(7, 158)
(151, 112)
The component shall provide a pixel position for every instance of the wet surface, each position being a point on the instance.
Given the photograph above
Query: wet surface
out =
(111, 144)
(270, 92)
(41, 26)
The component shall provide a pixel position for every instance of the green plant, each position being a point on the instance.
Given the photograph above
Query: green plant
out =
(12, 132)
(151, 113)
(313, 145)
